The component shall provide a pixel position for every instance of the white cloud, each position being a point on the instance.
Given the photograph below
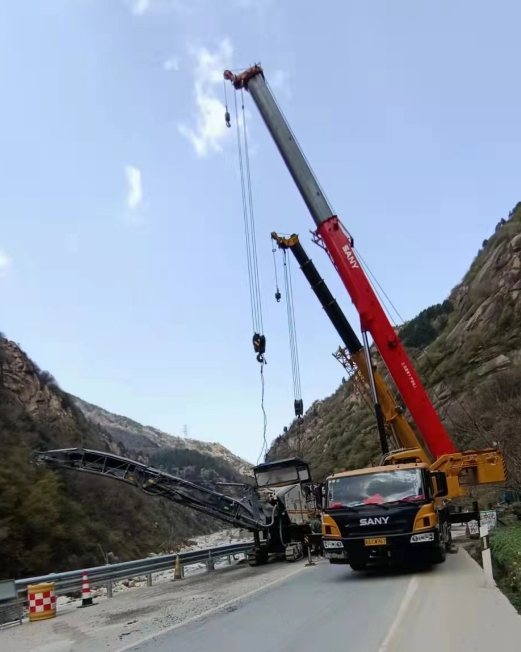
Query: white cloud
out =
(210, 129)
(5, 263)
(134, 201)
(135, 188)
(172, 63)
(139, 7)
(160, 7)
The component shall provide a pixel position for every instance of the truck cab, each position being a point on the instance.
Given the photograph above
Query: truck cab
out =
(385, 514)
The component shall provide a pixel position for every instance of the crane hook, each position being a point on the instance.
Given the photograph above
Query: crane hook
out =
(227, 119)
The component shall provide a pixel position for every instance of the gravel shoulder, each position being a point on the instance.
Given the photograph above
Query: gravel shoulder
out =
(130, 616)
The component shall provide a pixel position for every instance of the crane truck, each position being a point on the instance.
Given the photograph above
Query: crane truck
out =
(395, 511)
(278, 508)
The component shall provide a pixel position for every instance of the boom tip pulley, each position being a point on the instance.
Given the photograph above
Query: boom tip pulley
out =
(241, 80)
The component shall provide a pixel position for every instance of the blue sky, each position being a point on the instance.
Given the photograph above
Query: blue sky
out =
(122, 256)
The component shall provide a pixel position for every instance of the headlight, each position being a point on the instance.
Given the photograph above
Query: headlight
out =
(421, 538)
(333, 544)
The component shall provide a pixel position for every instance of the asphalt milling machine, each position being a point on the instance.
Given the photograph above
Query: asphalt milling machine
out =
(279, 508)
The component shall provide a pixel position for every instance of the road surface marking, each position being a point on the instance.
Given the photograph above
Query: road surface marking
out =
(404, 605)
(211, 611)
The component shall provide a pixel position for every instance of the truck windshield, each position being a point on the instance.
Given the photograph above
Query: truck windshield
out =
(276, 476)
(376, 488)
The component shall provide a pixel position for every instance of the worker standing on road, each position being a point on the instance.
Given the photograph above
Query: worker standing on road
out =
(316, 528)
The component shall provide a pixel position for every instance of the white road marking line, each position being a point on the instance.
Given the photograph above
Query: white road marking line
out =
(211, 611)
(404, 605)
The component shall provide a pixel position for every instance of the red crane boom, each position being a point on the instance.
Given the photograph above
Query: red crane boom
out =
(339, 245)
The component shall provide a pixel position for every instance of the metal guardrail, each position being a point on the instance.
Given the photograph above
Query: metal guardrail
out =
(70, 581)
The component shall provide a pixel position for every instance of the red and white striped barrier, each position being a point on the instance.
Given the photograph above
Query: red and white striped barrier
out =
(42, 601)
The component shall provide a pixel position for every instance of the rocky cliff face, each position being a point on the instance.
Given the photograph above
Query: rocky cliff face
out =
(57, 521)
(468, 353)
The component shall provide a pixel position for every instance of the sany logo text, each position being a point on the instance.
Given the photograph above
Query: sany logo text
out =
(377, 520)
(350, 256)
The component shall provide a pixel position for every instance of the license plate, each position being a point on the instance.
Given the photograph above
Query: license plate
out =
(376, 542)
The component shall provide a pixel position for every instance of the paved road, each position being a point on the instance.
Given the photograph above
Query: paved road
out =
(332, 609)
(322, 608)
(290, 608)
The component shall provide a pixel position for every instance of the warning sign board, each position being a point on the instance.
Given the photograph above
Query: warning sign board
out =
(487, 518)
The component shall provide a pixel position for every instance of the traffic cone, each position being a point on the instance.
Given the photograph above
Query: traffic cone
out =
(178, 573)
(86, 598)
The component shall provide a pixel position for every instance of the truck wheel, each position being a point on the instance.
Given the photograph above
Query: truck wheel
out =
(358, 565)
(439, 554)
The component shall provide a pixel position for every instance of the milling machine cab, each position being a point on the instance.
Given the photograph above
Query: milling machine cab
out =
(287, 500)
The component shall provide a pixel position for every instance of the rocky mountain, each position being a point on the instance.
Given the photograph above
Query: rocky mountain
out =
(58, 521)
(149, 441)
(468, 353)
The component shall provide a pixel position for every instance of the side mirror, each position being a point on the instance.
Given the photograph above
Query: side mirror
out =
(440, 480)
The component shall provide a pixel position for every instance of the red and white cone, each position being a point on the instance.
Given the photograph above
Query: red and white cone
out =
(86, 598)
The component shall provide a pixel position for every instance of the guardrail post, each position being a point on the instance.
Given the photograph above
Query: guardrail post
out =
(229, 560)
(109, 588)
(149, 579)
(210, 566)
(486, 557)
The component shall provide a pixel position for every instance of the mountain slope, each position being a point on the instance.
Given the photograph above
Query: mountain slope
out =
(468, 353)
(149, 441)
(58, 521)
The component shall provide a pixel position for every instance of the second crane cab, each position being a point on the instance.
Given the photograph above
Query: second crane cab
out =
(384, 514)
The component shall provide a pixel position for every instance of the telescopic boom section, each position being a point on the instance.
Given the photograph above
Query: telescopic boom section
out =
(339, 245)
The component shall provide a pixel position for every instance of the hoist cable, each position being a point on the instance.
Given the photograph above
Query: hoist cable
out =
(259, 341)
(277, 290)
(295, 364)
(253, 234)
(290, 308)
(265, 418)
(290, 324)
(245, 217)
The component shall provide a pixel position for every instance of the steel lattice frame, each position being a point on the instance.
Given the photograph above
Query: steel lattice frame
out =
(241, 513)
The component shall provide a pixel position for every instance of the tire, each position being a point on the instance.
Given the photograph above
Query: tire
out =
(358, 565)
(439, 554)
